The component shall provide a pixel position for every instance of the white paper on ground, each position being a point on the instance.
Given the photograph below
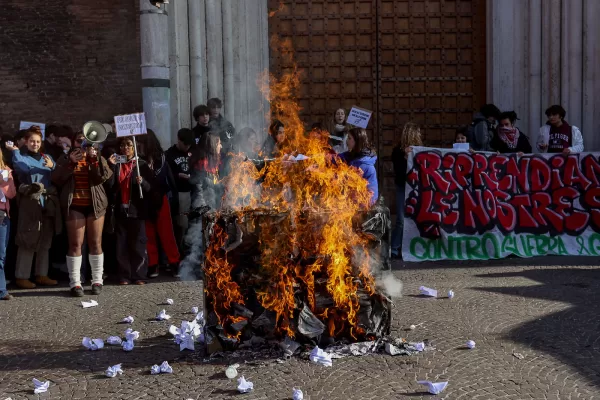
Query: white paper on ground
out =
(434, 387)
(128, 320)
(187, 342)
(244, 386)
(132, 335)
(169, 302)
(88, 304)
(128, 345)
(297, 394)
(319, 356)
(113, 371)
(114, 340)
(195, 310)
(165, 368)
(471, 344)
(39, 386)
(450, 294)
(155, 370)
(420, 346)
(162, 316)
(425, 291)
(92, 344)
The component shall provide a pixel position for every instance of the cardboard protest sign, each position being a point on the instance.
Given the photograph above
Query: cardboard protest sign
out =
(27, 125)
(463, 206)
(359, 117)
(131, 124)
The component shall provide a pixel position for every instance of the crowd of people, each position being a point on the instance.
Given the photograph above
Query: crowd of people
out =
(88, 208)
(89, 211)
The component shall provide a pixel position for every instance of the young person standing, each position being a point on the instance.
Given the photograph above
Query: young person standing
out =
(558, 136)
(7, 192)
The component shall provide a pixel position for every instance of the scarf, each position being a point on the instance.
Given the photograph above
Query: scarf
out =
(510, 136)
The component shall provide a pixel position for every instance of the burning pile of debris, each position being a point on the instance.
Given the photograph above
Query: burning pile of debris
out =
(296, 247)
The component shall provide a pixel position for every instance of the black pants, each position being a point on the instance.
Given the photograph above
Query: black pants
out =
(132, 258)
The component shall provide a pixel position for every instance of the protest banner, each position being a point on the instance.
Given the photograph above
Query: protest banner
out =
(27, 125)
(359, 117)
(462, 206)
(131, 124)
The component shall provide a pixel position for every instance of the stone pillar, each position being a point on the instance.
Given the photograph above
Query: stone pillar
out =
(179, 56)
(154, 37)
(197, 41)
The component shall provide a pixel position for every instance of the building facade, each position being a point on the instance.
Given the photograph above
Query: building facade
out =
(433, 62)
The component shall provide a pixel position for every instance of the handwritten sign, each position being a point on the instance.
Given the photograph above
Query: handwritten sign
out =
(27, 125)
(359, 117)
(131, 124)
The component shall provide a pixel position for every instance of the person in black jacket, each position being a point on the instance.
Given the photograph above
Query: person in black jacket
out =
(508, 138)
(411, 136)
(202, 128)
(159, 222)
(132, 194)
(178, 157)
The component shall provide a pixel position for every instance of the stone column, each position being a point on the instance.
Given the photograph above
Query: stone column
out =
(154, 37)
(179, 56)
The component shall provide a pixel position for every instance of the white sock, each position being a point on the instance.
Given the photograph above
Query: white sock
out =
(74, 267)
(97, 267)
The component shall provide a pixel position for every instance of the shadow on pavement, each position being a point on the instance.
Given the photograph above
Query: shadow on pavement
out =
(570, 335)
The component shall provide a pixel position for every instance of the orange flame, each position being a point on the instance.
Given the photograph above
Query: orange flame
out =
(316, 201)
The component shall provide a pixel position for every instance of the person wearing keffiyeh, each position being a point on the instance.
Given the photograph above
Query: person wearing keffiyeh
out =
(508, 138)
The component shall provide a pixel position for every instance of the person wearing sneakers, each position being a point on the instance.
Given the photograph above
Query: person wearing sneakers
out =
(81, 175)
(7, 192)
(39, 210)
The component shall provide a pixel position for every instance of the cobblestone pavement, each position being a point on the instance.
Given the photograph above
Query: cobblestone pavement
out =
(542, 309)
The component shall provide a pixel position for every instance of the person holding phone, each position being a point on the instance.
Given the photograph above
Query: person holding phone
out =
(131, 193)
(39, 210)
(81, 175)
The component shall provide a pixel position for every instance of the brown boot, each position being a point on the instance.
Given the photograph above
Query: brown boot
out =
(45, 281)
(24, 284)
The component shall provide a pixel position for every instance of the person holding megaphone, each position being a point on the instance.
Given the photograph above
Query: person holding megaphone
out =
(81, 174)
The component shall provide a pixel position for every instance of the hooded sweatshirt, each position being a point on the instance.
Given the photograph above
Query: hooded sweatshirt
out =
(366, 162)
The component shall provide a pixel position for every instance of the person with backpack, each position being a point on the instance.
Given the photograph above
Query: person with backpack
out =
(483, 128)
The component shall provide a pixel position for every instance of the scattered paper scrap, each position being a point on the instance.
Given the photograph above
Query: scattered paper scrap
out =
(155, 370)
(412, 327)
(40, 387)
(231, 371)
(113, 371)
(244, 386)
(297, 394)
(434, 387)
(88, 304)
(420, 346)
(128, 320)
(162, 316)
(92, 344)
(114, 340)
(169, 302)
(132, 335)
(319, 356)
(471, 344)
(128, 345)
(519, 356)
(425, 291)
(450, 294)
(195, 310)
(165, 368)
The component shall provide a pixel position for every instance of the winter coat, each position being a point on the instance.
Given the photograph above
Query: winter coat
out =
(37, 225)
(366, 162)
(98, 173)
(482, 133)
(29, 169)
(179, 162)
(165, 185)
(139, 208)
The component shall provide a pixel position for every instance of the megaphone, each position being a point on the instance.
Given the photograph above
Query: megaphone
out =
(96, 132)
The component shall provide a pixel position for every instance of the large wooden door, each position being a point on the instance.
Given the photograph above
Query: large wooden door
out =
(407, 60)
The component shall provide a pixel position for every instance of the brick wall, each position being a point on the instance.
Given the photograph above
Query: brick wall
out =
(68, 61)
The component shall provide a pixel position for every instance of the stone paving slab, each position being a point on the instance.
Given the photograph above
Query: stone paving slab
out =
(543, 309)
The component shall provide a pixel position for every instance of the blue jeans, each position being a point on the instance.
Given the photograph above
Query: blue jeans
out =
(4, 235)
(399, 228)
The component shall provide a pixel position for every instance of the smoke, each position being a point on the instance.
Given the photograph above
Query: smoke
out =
(389, 284)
